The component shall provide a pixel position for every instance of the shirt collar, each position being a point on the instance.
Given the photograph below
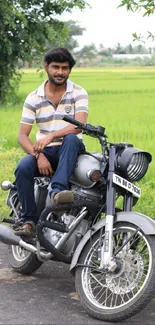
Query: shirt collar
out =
(69, 88)
(41, 89)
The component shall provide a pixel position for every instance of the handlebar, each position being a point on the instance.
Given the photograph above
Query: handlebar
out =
(72, 121)
(87, 128)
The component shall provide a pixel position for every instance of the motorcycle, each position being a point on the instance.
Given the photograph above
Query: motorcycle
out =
(110, 249)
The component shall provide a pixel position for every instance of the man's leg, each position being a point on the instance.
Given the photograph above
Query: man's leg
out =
(25, 172)
(68, 153)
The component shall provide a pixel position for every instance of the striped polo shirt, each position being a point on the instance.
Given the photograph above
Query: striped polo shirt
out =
(48, 116)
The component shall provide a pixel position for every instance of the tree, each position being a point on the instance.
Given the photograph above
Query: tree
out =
(140, 49)
(105, 52)
(25, 28)
(129, 49)
(74, 30)
(88, 51)
(71, 29)
(119, 49)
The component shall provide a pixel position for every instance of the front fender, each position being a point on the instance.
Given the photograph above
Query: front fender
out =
(145, 223)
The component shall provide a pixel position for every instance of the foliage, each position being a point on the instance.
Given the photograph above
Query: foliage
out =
(148, 6)
(88, 52)
(70, 30)
(89, 55)
(25, 28)
(8, 162)
(73, 29)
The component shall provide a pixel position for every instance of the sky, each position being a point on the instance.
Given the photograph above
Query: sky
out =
(109, 25)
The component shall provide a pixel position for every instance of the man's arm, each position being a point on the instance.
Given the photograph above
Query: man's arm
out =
(26, 123)
(81, 116)
(41, 144)
(23, 138)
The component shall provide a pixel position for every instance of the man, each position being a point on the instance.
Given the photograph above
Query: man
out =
(58, 143)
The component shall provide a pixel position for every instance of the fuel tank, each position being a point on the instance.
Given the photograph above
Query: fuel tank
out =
(85, 164)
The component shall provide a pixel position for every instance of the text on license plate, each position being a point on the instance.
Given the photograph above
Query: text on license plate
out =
(122, 182)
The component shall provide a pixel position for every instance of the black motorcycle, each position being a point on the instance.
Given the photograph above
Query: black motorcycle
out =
(111, 248)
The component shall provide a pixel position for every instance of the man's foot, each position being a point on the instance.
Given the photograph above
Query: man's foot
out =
(63, 197)
(27, 229)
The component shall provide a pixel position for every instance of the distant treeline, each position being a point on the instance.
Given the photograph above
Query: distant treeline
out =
(90, 55)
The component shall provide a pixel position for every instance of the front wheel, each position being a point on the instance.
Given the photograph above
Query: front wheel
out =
(116, 296)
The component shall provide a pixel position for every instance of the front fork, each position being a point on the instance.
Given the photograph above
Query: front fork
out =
(107, 260)
(106, 251)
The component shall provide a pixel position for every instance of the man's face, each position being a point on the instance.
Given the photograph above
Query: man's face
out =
(58, 72)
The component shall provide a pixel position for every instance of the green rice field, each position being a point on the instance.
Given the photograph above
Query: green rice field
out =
(120, 99)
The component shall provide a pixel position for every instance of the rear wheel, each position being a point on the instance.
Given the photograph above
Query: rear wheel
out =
(22, 261)
(19, 258)
(117, 296)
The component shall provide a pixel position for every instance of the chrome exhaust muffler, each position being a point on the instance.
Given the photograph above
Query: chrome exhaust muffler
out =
(8, 237)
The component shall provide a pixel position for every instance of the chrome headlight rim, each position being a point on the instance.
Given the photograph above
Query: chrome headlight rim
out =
(132, 163)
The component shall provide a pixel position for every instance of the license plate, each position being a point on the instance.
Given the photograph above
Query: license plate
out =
(122, 182)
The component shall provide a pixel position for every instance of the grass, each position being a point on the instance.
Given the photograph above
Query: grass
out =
(120, 99)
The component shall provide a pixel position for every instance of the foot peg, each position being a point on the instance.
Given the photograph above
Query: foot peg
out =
(8, 220)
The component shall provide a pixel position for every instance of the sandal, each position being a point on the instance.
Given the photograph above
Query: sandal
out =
(62, 197)
(27, 229)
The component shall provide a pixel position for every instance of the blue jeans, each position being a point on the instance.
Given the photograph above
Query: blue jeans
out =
(62, 159)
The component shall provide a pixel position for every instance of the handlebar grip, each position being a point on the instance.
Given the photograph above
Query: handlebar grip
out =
(72, 121)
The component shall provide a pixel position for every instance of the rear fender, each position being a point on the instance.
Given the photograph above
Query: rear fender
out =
(146, 224)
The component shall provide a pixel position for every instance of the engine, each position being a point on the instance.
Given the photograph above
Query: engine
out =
(92, 194)
(54, 236)
(86, 194)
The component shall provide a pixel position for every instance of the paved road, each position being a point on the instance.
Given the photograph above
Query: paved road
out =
(48, 297)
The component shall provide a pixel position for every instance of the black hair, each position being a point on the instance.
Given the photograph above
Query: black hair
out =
(59, 54)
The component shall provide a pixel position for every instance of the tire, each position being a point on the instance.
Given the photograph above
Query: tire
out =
(22, 261)
(115, 297)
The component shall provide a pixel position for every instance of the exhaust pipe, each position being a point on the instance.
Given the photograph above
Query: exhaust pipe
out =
(7, 236)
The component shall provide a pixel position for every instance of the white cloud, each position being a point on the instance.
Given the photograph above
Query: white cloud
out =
(109, 25)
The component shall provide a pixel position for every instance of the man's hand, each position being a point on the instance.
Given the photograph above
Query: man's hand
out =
(41, 144)
(44, 165)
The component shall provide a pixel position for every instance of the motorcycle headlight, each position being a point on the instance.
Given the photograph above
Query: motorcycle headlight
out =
(132, 163)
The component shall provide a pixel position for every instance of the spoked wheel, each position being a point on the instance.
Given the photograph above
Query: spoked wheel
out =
(117, 296)
(22, 261)
(19, 258)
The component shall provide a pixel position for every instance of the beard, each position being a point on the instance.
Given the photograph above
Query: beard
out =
(58, 80)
